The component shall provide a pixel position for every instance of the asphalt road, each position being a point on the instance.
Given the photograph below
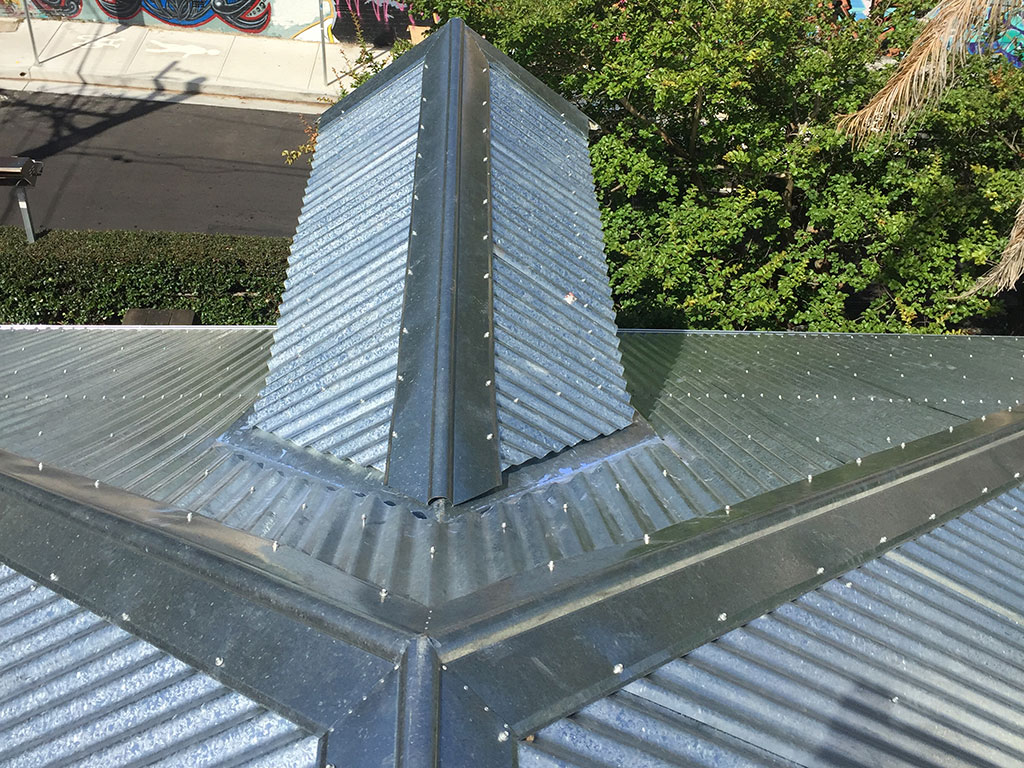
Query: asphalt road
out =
(125, 164)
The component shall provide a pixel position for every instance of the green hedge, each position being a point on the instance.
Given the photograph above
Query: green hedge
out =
(95, 277)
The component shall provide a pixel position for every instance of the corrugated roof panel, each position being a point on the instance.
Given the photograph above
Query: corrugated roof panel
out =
(558, 374)
(125, 406)
(334, 361)
(751, 412)
(914, 659)
(78, 691)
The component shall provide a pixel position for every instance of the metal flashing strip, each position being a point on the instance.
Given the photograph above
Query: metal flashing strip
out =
(269, 450)
(444, 431)
(228, 603)
(540, 646)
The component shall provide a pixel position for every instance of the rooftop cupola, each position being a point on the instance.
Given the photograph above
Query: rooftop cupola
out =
(447, 312)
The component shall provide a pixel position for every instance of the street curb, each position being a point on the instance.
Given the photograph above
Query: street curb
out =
(275, 99)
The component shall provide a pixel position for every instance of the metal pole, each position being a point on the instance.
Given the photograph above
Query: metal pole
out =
(31, 34)
(323, 43)
(26, 217)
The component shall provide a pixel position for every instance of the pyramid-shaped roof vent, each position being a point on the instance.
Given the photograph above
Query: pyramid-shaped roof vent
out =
(447, 312)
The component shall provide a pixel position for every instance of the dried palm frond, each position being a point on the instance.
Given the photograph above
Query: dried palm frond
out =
(1004, 275)
(926, 71)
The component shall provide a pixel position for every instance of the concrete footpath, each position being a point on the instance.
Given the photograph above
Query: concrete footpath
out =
(167, 64)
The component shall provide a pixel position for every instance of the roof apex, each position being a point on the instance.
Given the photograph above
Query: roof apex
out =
(447, 313)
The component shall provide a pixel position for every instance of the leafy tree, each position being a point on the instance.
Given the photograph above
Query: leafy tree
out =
(954, 29)
(730, 200)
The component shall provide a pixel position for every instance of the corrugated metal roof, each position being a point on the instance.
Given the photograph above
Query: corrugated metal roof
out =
(78, 691)
(331, 382)
(914, 659)
(749, 412)
(557, 367)
(127, 406)
(164, 448)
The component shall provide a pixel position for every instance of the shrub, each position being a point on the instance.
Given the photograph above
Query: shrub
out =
(95, 277)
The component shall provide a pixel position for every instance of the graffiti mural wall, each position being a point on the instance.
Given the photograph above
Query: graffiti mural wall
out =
(381, 21)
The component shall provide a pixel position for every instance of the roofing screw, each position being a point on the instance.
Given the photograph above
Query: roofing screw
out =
(490, 435)
(820, 570)
(883, 540)
(188, 518)
(722, 617)
(40, 466)
(219, 661)
(617, 669)
(647, 538)
(53, 577)
(985, 489)
(503, 736)
(96, 484)
(274, 546)
(858, 461)
(383, 594)
(931, 516)
(551, 565)
(431, 553)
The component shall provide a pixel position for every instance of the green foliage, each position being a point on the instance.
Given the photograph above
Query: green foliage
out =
(95, 277)
(728, 198)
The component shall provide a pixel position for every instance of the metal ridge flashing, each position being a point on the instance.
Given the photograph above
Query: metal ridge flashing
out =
(197, 589)
(444, 428)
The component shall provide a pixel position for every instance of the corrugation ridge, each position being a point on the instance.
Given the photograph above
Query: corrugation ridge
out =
(142, 390)
(567, 322)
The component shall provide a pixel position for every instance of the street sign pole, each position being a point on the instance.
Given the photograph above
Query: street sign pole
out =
(31, 34)
(323, 43)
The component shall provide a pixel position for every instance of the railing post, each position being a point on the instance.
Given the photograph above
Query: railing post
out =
(26, 215)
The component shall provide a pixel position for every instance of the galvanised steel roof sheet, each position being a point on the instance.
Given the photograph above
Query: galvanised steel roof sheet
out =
(78, 691)
(557, 366)
(331, 382)
(914, 659)
(165, 396)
